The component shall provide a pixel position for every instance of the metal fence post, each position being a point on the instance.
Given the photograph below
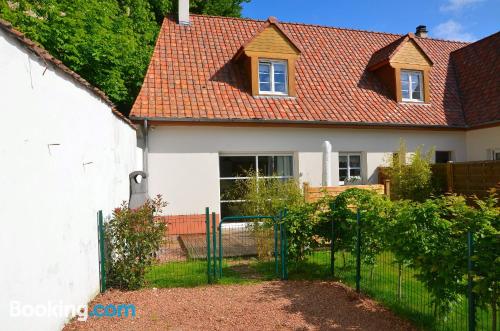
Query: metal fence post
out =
(220, 248)
(285, 250)
(332, 245)
(214, 227)
(276, 262)
(358, 251)
(209, 263)
(102, 253)
(471, 305)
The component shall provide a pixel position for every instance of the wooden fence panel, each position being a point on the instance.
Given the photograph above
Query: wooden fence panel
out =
(467, 178)
(313, 194)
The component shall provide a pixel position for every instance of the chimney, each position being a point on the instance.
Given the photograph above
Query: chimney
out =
(421, 31)
(184, 12)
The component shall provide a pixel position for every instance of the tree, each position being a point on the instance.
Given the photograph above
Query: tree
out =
(107, 42)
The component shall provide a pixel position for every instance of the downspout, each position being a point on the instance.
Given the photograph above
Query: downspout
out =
(145, 151)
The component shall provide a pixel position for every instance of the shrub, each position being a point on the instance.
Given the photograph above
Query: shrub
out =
(133, 236)
(411, 180)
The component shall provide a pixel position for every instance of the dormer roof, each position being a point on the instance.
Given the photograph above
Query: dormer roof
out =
(384, 55)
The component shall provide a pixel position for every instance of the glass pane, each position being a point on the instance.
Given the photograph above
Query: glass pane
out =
(280, 68)
(232, 189)
(405, 77)
(406, 94)
(354, 161)
(342, 174)
(276, 165)
(279, 77)
(231, 208)
(279, 87)
(355, 173)
(497, 156)
(416, 95)
(236, 166)
(342, 161)
(265, 76)
(265, 87)
(442, 156)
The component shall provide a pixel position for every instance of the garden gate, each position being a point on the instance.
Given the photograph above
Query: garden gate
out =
(246, 248)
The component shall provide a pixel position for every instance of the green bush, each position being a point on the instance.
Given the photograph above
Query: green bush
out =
(411, 180)
(133, 236)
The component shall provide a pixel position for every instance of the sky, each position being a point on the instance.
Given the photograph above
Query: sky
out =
(463, 20)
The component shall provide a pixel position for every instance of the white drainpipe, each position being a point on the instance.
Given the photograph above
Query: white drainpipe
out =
(327, 163)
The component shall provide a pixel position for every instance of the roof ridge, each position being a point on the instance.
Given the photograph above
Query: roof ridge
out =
(477, 41)
(328, 27)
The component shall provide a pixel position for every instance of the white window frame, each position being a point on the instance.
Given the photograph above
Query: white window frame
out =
(271, 76)
(256, 155)
(410, 83)
(348, 154)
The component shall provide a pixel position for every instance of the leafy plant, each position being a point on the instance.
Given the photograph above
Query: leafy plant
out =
(411, 179)
(133, 237)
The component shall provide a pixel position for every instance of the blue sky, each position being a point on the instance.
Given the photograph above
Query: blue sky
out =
(466, 20)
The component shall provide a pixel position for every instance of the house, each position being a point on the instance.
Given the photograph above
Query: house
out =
(66, 153)
(224, 95)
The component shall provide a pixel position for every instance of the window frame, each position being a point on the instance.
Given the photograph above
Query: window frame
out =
(348, 154)
(256, 156)
(421, 90)
(272, 62)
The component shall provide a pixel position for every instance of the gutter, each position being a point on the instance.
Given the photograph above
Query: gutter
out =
(289, 122)
(145, 151)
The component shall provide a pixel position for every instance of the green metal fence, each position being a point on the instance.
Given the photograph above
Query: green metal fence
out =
(395, 285)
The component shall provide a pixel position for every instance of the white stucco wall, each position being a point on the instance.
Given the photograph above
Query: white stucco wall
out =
(184, 164)
(481, 142)
(63, 157)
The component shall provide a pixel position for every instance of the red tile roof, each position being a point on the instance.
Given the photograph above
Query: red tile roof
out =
(191, 77)
(478, 72)
(57, 64)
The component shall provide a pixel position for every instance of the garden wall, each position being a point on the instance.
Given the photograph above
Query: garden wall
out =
(64, 156)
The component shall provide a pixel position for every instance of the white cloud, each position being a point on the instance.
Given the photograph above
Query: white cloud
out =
(452, 30)
(457, 5)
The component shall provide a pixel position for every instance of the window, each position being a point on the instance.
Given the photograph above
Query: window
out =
(443, 156)
(495, 154)
(235, 168)
(411, 86)
(273, 77)
(349, 166)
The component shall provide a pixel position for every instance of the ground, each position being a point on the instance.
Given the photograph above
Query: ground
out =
(276, 305)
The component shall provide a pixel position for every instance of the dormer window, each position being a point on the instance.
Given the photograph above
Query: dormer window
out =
(273, 77)
(411, 86)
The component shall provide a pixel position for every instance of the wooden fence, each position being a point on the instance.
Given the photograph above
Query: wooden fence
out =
(467, 178)
(313, 194)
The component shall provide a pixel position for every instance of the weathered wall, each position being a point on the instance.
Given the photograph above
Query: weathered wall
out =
(481, 142)
(63, 156)
(184, 161)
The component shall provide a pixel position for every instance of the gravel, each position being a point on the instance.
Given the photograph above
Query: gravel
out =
(291, 305)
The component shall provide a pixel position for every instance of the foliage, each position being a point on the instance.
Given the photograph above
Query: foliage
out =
(266, 196)
(411, 180)
(301, 221)
(107, 42)
(133, 237)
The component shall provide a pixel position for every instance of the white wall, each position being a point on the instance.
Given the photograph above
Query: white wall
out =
(63, 156)
(184, 165)
(481, 142)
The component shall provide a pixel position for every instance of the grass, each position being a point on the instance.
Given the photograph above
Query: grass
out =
(379, 282)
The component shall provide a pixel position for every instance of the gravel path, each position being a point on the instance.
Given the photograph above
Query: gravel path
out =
(290, 305)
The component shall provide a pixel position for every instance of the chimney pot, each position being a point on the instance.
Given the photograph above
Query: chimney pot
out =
(184, 12)
(421, 31)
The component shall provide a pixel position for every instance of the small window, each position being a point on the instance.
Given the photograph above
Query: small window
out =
(495, 154)
(443, 156)
(273, 77)
(411, 86)
(349, 167)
